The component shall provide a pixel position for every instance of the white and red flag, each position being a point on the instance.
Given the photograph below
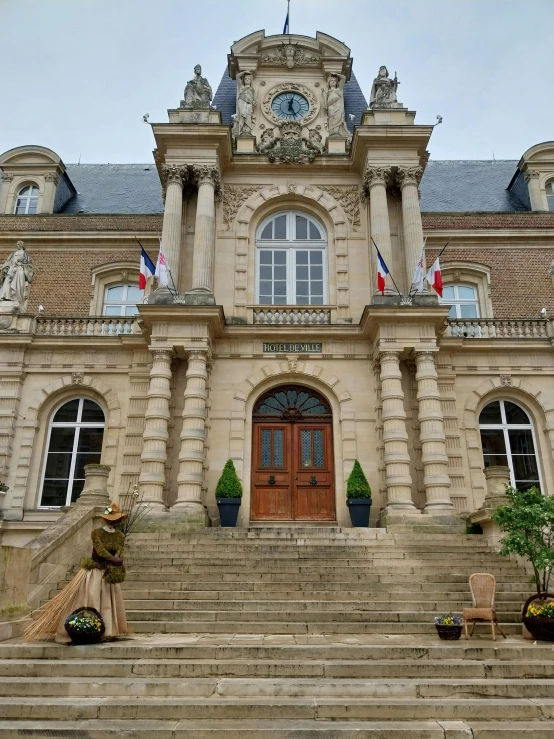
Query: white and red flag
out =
(147, 268)
(434, 277)
(419, 274)
(161, 267)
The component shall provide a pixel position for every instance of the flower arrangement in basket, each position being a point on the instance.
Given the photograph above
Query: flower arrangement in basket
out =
(449, 626)
(3, 487)
(85, 626)
(539, 619)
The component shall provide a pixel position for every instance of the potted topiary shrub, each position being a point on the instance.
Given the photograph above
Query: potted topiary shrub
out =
(528, 521)
(358, 496)
(228, 494)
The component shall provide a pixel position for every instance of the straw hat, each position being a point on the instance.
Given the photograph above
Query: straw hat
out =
(113, 513)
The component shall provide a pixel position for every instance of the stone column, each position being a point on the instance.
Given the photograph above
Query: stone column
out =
(535, 194)
(204, 234)
(408, 179)
(375, 185)
(193, 437)
(433, 440)
(395, 436)
(153, 457)
(175, 177)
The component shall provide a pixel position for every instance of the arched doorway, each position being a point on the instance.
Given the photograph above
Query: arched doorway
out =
(292, 456)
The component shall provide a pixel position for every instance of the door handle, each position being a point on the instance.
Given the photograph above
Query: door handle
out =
(313, 480)
(271, 480)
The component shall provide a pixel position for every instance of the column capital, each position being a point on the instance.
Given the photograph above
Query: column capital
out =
(200, 353)
(425, 354)
(531, 174)
(162, 355)
(376, 176)
(7, 176)
(174, 173)
(207, 173)
(389, 354)
(408, 176)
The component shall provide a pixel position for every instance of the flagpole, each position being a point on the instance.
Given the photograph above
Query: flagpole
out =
(390, 273)
(443, 248)
(288, 15)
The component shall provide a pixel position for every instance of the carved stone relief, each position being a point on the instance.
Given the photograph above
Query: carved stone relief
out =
(233, 197)
(290, 55)
(348, 197)
(291, 148)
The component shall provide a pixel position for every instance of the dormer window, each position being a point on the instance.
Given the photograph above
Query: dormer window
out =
(550, 195)
(27, 201)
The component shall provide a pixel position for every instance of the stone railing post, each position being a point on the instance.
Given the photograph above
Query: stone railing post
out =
(209, 185)
(153, 457)
(395, 436)
(408, 179)
(193, 437)
(535, 195)
(433, 440)
(95, 490)
(174, 177)
(375, 185)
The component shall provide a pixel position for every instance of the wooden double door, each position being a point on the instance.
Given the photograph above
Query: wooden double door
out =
(292, 471)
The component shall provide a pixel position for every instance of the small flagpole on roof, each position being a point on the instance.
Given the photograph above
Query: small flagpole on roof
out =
(286, 27)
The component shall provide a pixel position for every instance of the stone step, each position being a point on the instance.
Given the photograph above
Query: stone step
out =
(338, 570)
(293, 549)
(193, 668)
(252, 687)
(315, 575)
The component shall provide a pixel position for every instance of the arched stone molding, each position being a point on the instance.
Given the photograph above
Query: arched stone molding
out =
(537, 166)
(539, 406)
(315, 202)
(107, 275)
(310, 374)
(30, 165)
(474, 274)
(35, 427)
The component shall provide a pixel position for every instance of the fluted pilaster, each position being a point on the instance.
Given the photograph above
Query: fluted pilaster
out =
(408, 179)
(375, 186)
(433, 440)
(174, 177)
(209, 184)
(193, 434)
(153, 458)
(532, 178)
(395, 435)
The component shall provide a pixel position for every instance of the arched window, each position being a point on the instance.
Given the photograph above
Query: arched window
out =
(27, 201)
(463, 300)
(507, 438)
(121, 300)
(74, 439)
(291, 261)
(550, 194)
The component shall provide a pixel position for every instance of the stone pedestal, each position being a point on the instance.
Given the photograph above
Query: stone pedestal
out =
(336, 145)
(497, 477)
(95, 490)
(246, 145)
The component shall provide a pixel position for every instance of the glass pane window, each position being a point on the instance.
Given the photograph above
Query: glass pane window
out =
(27, 201)
(272, 448)
(294, 272)
(507, 438)
(75, 439)
(121, 300)
(550, 195)
(463, 300)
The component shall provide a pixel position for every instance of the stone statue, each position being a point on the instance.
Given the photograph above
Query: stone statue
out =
(198, 93)
(383, 91)
(16, 273)
(333, 103)
(267, 142)
(246, 102)
(314, 142)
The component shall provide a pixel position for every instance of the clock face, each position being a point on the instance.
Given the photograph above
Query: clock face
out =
(290, 106)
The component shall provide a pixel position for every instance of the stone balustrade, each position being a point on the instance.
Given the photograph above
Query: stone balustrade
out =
(87, 326)
(498, 328)
(299, 316)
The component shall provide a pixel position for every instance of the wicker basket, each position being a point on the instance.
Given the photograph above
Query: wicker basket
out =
(540, 627)
(449, 633)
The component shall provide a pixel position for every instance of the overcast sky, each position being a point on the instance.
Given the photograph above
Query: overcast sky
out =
(77, 75)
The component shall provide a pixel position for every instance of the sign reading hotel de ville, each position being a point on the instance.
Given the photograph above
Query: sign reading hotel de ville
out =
(291, 347)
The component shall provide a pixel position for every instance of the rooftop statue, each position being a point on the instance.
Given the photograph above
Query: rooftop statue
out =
(383, 91)
(246, 102)
(16, 275)
(333, 103)
(198, 92)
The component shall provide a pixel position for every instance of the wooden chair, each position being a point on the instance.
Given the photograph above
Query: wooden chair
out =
(483, 589)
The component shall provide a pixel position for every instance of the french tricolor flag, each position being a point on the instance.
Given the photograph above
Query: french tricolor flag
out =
(382, 272)
(434, 277)
(147, 268)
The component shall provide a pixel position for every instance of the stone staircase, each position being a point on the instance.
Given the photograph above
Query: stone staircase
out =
(291, 632)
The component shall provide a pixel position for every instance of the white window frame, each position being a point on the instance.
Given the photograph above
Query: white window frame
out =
(549, 188)
(123, 303)
(77, 425)
(292, 245)
(457, 302)
(504, 426)
(27, 198)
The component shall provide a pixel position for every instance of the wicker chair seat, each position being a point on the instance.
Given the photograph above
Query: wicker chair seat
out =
(486, 614)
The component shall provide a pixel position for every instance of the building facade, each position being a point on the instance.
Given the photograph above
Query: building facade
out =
(272, 345)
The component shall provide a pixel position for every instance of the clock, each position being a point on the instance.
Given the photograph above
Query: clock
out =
(290, 106)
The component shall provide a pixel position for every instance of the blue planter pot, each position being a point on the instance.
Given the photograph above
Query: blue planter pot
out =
(359, 511)
(228, 511)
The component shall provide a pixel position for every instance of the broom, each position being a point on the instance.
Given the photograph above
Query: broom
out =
(45, 626)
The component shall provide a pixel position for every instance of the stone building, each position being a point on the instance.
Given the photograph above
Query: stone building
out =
(271, 345)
